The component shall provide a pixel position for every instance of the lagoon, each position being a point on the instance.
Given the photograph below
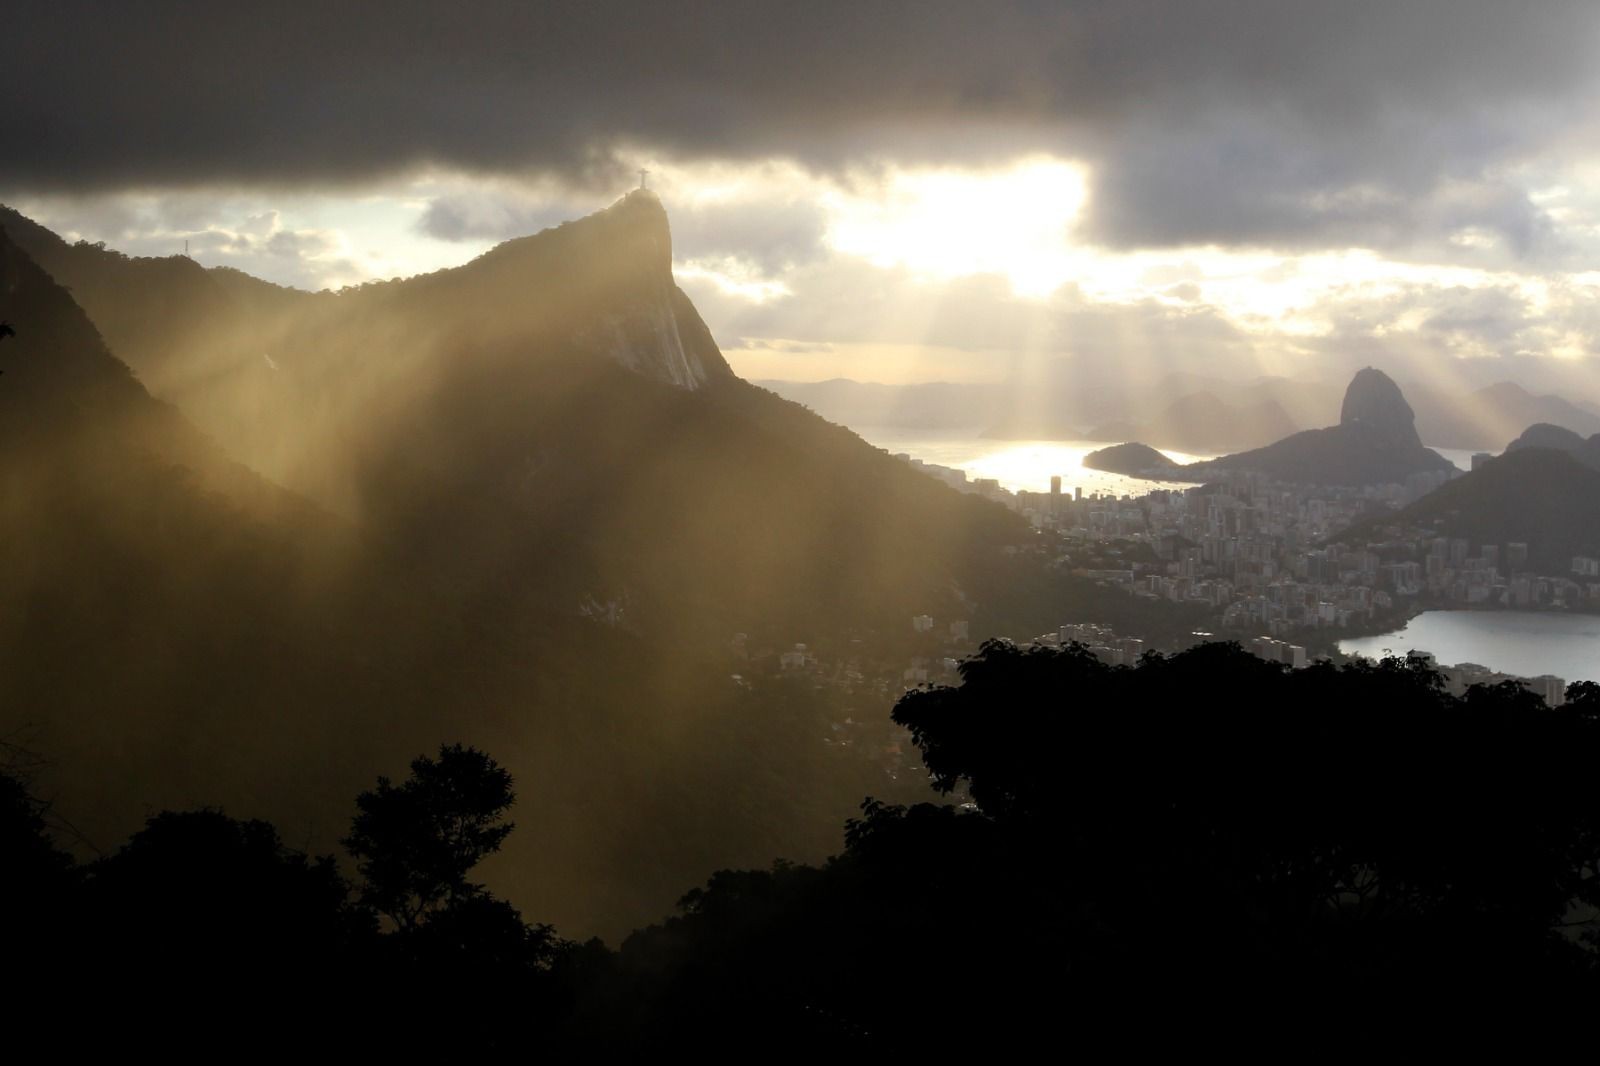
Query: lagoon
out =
(1521, 643)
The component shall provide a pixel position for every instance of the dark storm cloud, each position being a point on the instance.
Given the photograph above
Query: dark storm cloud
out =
(1266, 121)
(489, 215)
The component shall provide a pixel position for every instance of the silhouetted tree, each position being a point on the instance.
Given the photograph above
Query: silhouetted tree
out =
(1206, 832)
(1583, 697)
(212, 924)
(415, 842)
(465, 965)
(36, 876)
(209, 895)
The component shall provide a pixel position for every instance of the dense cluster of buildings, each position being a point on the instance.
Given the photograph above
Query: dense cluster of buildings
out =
(1102, 642)
(1250, 549)
(1455, 572)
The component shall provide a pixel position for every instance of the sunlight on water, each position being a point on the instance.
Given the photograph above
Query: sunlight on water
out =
(1018, 464)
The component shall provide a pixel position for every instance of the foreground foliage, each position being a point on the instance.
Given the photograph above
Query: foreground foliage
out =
(1204, 831)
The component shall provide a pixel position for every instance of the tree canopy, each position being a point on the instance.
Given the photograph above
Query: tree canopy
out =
(1200, 832)
(416, 842)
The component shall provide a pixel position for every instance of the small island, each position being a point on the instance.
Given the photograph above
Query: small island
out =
(1132, 460)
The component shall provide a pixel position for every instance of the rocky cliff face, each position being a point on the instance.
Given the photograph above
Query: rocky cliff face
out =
(1374, 405)
(613, 271)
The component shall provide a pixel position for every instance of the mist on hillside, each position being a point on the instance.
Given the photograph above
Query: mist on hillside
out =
(523, 503)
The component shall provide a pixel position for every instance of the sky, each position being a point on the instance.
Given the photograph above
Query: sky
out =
(886, 191)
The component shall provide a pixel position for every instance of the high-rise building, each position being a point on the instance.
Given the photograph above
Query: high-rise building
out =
(1553, 690)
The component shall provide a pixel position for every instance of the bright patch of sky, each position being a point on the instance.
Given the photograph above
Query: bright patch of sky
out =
(1016, 222)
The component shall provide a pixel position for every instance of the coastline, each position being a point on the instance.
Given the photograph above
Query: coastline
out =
(1514, 642)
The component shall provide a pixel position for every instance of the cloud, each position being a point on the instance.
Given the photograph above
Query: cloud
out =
(494, 214)
(978, 327)
(766, 229)
(770, 235)
(1262, 185)
(1289, 122)
(1545, 335)
(216, 232)
(1229, 317)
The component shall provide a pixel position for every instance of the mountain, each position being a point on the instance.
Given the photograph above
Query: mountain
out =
(163, 602)
(1133, 460)
(248, 360)
(562, 381)
(1487, 418)
(1544, 435)
(1541, 497)
(1559, 438)
(522, 504)
(161, 315)
(1375, 442)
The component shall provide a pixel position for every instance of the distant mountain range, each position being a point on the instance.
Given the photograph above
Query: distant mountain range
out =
(1181, 412)
(1488, 418)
